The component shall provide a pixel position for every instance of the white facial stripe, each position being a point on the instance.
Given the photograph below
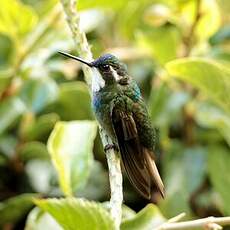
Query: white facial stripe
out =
(97, 82)
(115, 75)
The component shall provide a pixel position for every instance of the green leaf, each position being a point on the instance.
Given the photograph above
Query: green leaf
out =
(72, 214)
(69, 107)
(6, 47)
(162, 43)
(39, 220)
(46, 36)
(183, 171)
(97, 185)
(16, 18)
(42, 8)
(10, 110)
(33, 150)
(175, 204)
(147, 219)
(5, 79)
(13, 209)
(42, 175)
(127, 213)
(210, 20)
(70, 145)
(40, 128)
(130, 18)
(8, 144)
(210, 77)
(91, 19)
(211, 116)
(38, 93)
(190, 169)
(157, 14)
(165, 106)
(220, 54)
(101, 4)
(218, 169)
(222, 35)
(3, 161)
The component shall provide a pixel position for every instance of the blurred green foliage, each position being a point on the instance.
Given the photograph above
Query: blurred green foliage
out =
(179, 53)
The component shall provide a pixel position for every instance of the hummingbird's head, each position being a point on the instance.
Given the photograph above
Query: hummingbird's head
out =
(110, 67)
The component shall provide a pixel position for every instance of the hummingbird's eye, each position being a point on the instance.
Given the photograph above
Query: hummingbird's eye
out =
(105, 67)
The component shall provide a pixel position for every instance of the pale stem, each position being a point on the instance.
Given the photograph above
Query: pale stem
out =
(83, 49)
(115, 178)
(209, 223)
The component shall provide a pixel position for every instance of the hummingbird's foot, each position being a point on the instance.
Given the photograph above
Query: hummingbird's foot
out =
(111, 146)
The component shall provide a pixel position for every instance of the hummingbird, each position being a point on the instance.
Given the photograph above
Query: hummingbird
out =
(122, 113)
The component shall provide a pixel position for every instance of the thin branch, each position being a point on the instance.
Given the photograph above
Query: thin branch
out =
(79, 37)
(209, 223)
(176, 218)
(113, 160)
(115, 179)
(188, 124)
(189, 38)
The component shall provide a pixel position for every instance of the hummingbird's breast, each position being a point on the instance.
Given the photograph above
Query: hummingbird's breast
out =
(125, 98)
(101, 104)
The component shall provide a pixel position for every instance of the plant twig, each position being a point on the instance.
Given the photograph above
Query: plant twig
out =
(115, 179)
(189, 38)
(113, 160)
(176, 218)
(209, 223)
(188, 126)
(79, 37)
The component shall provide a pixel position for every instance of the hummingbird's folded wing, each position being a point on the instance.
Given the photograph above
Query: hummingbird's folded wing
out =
(132, 155)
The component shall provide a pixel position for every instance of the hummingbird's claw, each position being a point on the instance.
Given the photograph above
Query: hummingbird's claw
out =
(111, 146)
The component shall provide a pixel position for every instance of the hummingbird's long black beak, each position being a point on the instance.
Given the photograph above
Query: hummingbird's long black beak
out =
(76, 58)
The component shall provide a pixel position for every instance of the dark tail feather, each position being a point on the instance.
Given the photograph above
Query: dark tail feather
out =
(131, 153)
(135, 170)
(139, 166)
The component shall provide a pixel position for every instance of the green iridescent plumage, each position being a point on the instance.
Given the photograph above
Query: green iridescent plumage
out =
(121, 111)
